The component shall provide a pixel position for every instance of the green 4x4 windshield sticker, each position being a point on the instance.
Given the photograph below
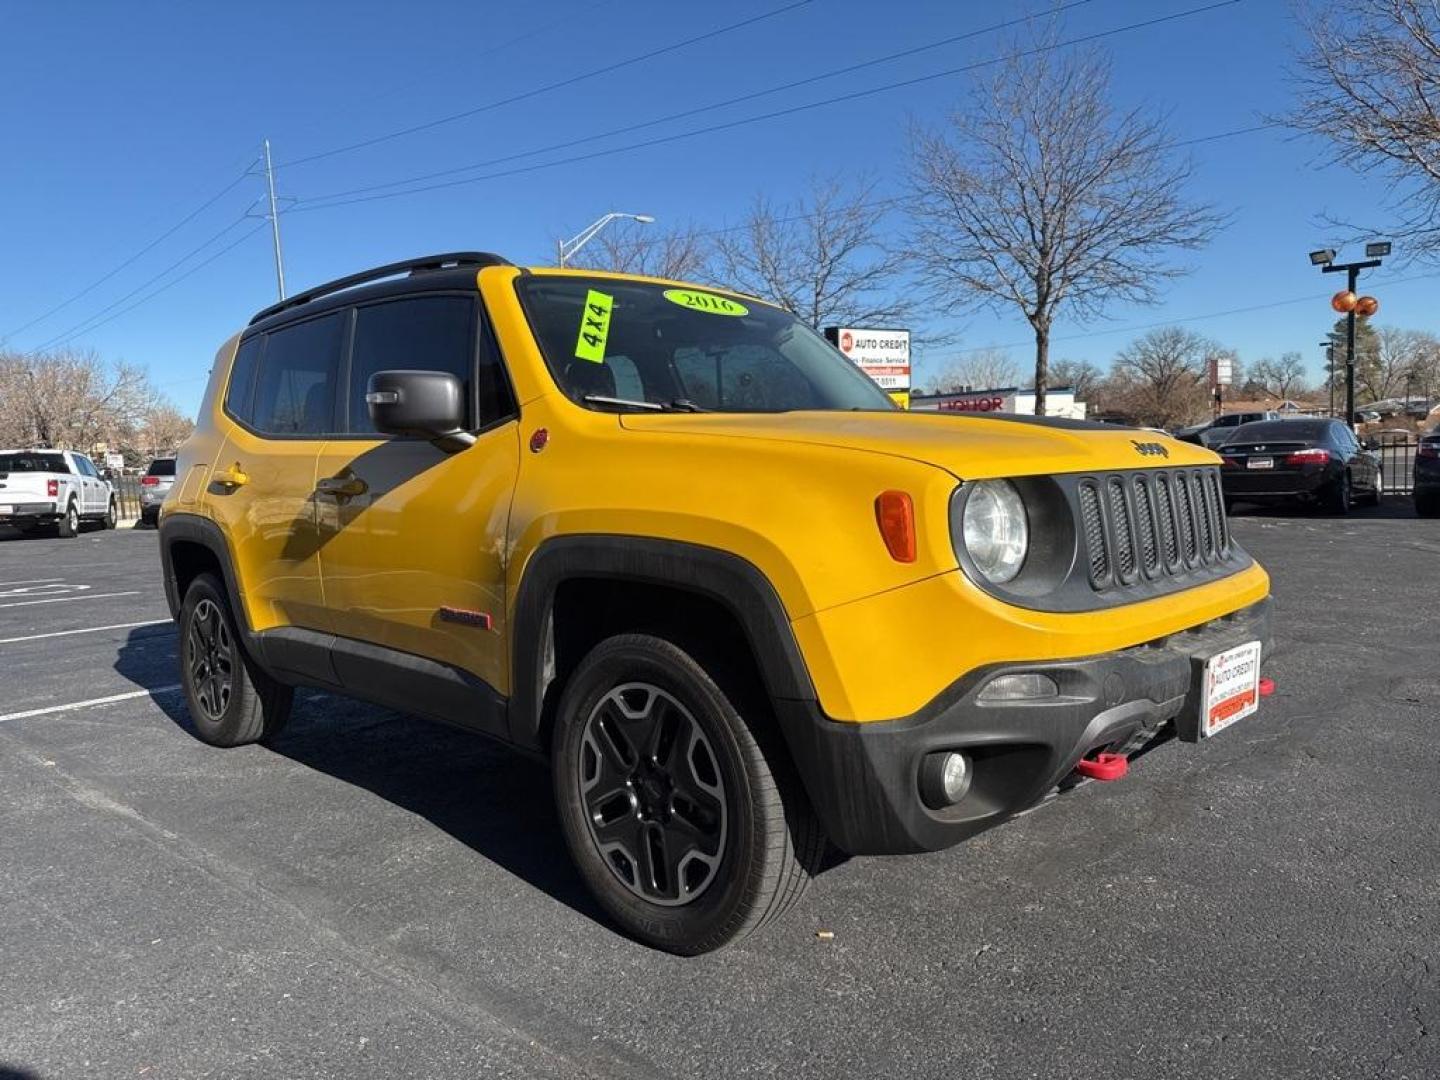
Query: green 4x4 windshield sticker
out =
(706, 301)
(594, 327)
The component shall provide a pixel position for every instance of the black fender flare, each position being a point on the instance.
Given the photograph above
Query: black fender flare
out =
(736, 584)
(191, 528)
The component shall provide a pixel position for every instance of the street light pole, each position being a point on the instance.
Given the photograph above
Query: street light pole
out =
(1329, 346)
(566, 250)
(1325, 259)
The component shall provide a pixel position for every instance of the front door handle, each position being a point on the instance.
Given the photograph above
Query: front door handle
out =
(342, 487)
(232, 477)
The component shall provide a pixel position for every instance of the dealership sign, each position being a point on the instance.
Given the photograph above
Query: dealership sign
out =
(884, 355)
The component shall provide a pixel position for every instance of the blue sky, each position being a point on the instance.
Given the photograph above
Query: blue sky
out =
(120, 120)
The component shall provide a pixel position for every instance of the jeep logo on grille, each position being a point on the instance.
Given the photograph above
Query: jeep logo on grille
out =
(1149, 449)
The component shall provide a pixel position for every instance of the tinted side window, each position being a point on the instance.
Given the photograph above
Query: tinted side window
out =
(424, 333)
(86, 467)
(295, 389)
(238, 394)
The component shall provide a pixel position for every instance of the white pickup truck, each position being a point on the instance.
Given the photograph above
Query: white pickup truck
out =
(53, 487)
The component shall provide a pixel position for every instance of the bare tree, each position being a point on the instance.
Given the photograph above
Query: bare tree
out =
(162, 431)
(989, 368)
(632, 248)
(1080, 375)
(1284, 377)
(1369, 84)
(1164, 374)
(1396, 366)
(70, 399)
(1043, 197)
(821, 258)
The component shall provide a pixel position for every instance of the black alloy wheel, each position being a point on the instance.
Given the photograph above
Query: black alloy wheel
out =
(679, 802)
(653, 794)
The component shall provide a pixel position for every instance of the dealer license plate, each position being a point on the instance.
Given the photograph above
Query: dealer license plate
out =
(1231, 687)
(1260, 463)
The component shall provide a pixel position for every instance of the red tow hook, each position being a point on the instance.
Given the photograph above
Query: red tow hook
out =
(1103, 767)
(1267, 687)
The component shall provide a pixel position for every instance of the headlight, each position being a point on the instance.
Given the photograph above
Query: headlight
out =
(996, 530)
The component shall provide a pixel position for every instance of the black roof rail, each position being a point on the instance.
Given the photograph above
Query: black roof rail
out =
(412, 266)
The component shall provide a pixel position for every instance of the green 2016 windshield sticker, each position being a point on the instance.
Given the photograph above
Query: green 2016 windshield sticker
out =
(594, 327)
(706, 301)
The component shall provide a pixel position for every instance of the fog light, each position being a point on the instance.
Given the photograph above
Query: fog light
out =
(1026, 687)
(944, 778)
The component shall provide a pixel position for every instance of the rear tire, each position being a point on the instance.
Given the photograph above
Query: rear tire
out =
(69, 525)
(1338, 499)
(683, 816)
(1427, 505)
(231, 700)
(108, 521)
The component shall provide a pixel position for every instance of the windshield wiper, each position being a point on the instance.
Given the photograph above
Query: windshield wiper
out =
(601, 399)
(678, 405)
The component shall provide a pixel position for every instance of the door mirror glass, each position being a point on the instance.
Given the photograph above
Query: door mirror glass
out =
(428, 404)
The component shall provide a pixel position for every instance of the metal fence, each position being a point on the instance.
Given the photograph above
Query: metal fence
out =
(1397, 463)
(127, 495)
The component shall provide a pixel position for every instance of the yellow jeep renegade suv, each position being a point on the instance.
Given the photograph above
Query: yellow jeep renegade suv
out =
(669, 538)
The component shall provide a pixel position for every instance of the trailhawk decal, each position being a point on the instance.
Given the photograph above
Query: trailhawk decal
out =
(709, 303)
(594, 327)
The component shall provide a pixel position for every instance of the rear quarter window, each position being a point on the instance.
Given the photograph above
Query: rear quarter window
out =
(295, 384)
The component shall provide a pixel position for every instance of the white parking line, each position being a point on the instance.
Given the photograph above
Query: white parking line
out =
(86, 630)
(32, 581)
(87, 704)
(67, 599)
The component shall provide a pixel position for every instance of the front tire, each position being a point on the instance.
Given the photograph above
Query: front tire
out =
(232, 701)
(682, 815)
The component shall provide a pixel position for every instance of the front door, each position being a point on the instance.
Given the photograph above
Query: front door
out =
(412, 538)
(281, 398)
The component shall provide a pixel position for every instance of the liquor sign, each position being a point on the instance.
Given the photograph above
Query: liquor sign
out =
(884, 355)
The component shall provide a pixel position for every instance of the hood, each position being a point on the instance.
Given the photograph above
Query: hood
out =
(968, 446)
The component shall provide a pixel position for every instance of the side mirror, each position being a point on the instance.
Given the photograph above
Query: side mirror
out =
(430, 404)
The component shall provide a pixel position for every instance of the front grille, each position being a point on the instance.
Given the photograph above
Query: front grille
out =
(1152, 524)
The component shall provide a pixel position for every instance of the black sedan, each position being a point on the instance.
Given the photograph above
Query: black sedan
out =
(1427, 475)
(1312, 460)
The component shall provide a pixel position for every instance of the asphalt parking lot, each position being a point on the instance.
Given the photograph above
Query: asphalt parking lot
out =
(377, 897)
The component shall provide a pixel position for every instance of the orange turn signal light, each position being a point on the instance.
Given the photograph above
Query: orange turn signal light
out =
(895, 514)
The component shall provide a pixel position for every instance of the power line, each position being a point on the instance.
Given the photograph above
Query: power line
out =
(135, 257)
(175, 281)
(84, 326)
(571, 81)
(893, 200)
(849, 69)
(323, 202)
(1248, 309)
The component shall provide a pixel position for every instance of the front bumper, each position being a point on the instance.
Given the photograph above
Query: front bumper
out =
(864, 778)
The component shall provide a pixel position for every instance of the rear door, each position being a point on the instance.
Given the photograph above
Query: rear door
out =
(92, 488)
(281, 399)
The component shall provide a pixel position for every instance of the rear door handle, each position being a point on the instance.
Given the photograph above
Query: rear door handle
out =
(346, 487)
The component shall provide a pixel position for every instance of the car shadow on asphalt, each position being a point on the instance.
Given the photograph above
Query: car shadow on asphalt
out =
(495, 801)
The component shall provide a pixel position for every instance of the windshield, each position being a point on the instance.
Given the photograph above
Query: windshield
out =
(32, 463)
(680, 348)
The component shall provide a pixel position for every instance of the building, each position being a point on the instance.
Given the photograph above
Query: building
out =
(1059, 401)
